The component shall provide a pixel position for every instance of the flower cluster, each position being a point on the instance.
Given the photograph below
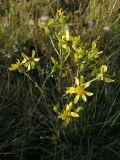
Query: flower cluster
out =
(79, 90)
(27, 62)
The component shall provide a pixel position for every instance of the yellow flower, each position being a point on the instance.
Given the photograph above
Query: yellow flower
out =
(29, 62)
(16, 66)
(95, 51)
(103, 69)
(79, 90)
(60, 12)
(103, 74)
(67, 114)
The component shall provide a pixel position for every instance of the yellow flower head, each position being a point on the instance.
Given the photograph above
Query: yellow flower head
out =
(95, 51)
(66, 115)
(29, 62)
(79, 90)
(103, 69)
(60, 12)
(16, 66)
(103, 74)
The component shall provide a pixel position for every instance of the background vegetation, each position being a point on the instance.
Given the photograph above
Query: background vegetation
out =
(29, 129)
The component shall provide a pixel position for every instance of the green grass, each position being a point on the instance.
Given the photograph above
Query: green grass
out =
(29, 129)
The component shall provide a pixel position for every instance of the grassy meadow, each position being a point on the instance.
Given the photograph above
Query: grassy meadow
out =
(59, 79)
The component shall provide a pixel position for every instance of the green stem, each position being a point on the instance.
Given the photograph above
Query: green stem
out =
(91, 80)
(35, 83)
(61, 66)
(53, 45)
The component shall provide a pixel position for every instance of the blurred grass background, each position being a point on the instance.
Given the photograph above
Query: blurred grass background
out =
(28, 128)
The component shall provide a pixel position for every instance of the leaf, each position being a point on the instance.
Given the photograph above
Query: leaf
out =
(81, 67)
(50, 22)
(93, 45)
(47, 31)
(53, 60)
(108, 80)
(56, 108)
(79, 109)
(40, 24)
(21, 70)
(62, 21)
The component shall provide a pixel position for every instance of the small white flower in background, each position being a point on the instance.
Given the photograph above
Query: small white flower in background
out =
(90, 25)
(44, 20)
(31, 23)
(6, 25)
(7, 56)
(15, 49)
(25, 49)
(106, 28)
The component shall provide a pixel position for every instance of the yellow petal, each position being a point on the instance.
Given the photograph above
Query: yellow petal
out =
(24, 56)
(73, 114)
(70, 90)
(69, 106)
(87, 85)
(76, 99)
(103, 69)
(67, 120)
(76, 81)
(24, 61)
(10, 68)
(28, 67)
(88, 93)
(36, 59)
(81, 79)
(100, 52)
(93, 45)
(27, 64)
(60, 116)
(64, 46)
(84, 97)
(33, 53)
(33, 64)
(67, 35)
